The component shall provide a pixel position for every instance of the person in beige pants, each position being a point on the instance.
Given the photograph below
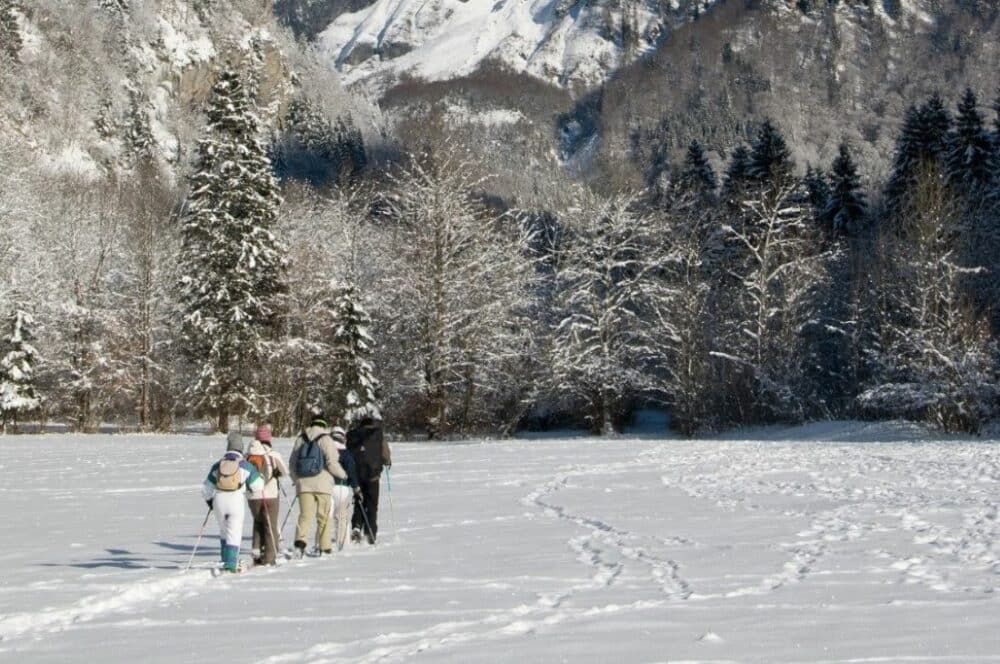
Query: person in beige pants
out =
(344, 490)
(314, 491)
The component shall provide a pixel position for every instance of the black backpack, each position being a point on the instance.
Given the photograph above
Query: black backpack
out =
(310, 462)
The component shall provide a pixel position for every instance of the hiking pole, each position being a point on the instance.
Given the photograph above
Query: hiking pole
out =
(270, 529)
(198, 542)
(290, 508)
(364, 515)
(392, 510)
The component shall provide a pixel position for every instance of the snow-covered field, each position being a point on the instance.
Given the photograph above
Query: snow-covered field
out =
(810, 546)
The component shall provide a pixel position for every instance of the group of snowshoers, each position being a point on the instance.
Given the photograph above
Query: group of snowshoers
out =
(331, 469)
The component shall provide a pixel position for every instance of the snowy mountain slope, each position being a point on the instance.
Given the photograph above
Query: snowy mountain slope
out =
(91, 77)
(791, 546)
(575, 44)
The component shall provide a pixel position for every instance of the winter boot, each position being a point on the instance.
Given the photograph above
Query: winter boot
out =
(300, 548)
(356, 536)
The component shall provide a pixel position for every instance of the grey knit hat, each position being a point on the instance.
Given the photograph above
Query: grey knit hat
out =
(234, 442)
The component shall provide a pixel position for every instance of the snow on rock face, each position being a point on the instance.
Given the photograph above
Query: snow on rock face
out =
(565, 42)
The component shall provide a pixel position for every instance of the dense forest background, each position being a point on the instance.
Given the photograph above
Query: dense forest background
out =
(200, 221)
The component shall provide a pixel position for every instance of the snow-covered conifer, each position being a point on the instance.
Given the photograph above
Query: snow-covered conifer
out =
(922, 142)
(354, 390)
(17, 370)
(696, 174)
(737, 173)
(232, 262)
(970, 152)
(770, 160)
(817, 190)
(140, 145)
(845, 207)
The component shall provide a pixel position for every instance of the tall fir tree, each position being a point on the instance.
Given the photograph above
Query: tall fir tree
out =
(696, 175)
(770, 159)
(737, 173)
(845, 207)
(233, 265)
(17, 370)
(817, 190)
(970, 150)
(140, 145)
(921, 144)
(355, 390)
(10, 31)
(937, 123)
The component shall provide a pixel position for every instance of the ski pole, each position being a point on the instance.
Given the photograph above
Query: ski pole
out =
(290, 508)
(198, 542)
(364, 515)
(392, 510)
(270, 528)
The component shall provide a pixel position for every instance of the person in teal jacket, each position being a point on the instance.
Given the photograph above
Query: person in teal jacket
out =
(225, 492)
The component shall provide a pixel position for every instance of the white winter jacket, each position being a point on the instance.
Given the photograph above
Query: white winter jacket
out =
(277, 470)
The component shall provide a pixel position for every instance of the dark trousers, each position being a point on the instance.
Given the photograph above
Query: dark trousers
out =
(261, 532)
(369, 491)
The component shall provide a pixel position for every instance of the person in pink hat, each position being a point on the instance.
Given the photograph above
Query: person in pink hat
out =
(264, 503)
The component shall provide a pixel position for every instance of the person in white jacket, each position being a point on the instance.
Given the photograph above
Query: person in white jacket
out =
(344, 490)
(224, 491)
(264, 504)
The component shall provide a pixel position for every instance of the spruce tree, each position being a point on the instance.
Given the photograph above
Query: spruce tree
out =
(232, 262)
(936, 125)
(10, 32)
(770, 159)
(970, 153)
(737, 172)
(817, 190)
(845, 206)
(696, 174)
(921, 143)
(659, 153)
(17, 370)
(140, 145)
(354, 393)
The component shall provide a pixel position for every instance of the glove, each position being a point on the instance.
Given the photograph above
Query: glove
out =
(357, 494)
(210, 504)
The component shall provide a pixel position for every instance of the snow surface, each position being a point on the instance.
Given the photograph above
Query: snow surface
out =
(801, 545)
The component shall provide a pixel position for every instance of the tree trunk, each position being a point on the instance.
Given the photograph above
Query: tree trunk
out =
(223, 421)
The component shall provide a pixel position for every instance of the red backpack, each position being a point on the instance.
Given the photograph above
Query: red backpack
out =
(263, 465)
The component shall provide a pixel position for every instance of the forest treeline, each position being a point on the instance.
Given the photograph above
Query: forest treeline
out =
(287, 270)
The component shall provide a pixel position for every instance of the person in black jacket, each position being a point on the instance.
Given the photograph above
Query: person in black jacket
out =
(371, 454)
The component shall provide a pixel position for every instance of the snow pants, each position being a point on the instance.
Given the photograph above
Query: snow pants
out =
(230, 510)
(369, 490)
(339, 508)
(314, 507)
(265, 528)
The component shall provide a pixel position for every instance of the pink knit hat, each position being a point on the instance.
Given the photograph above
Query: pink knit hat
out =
(264, 433)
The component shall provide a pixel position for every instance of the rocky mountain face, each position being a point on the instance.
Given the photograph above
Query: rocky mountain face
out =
(569, 43)
(93, 81)
(624, 74)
